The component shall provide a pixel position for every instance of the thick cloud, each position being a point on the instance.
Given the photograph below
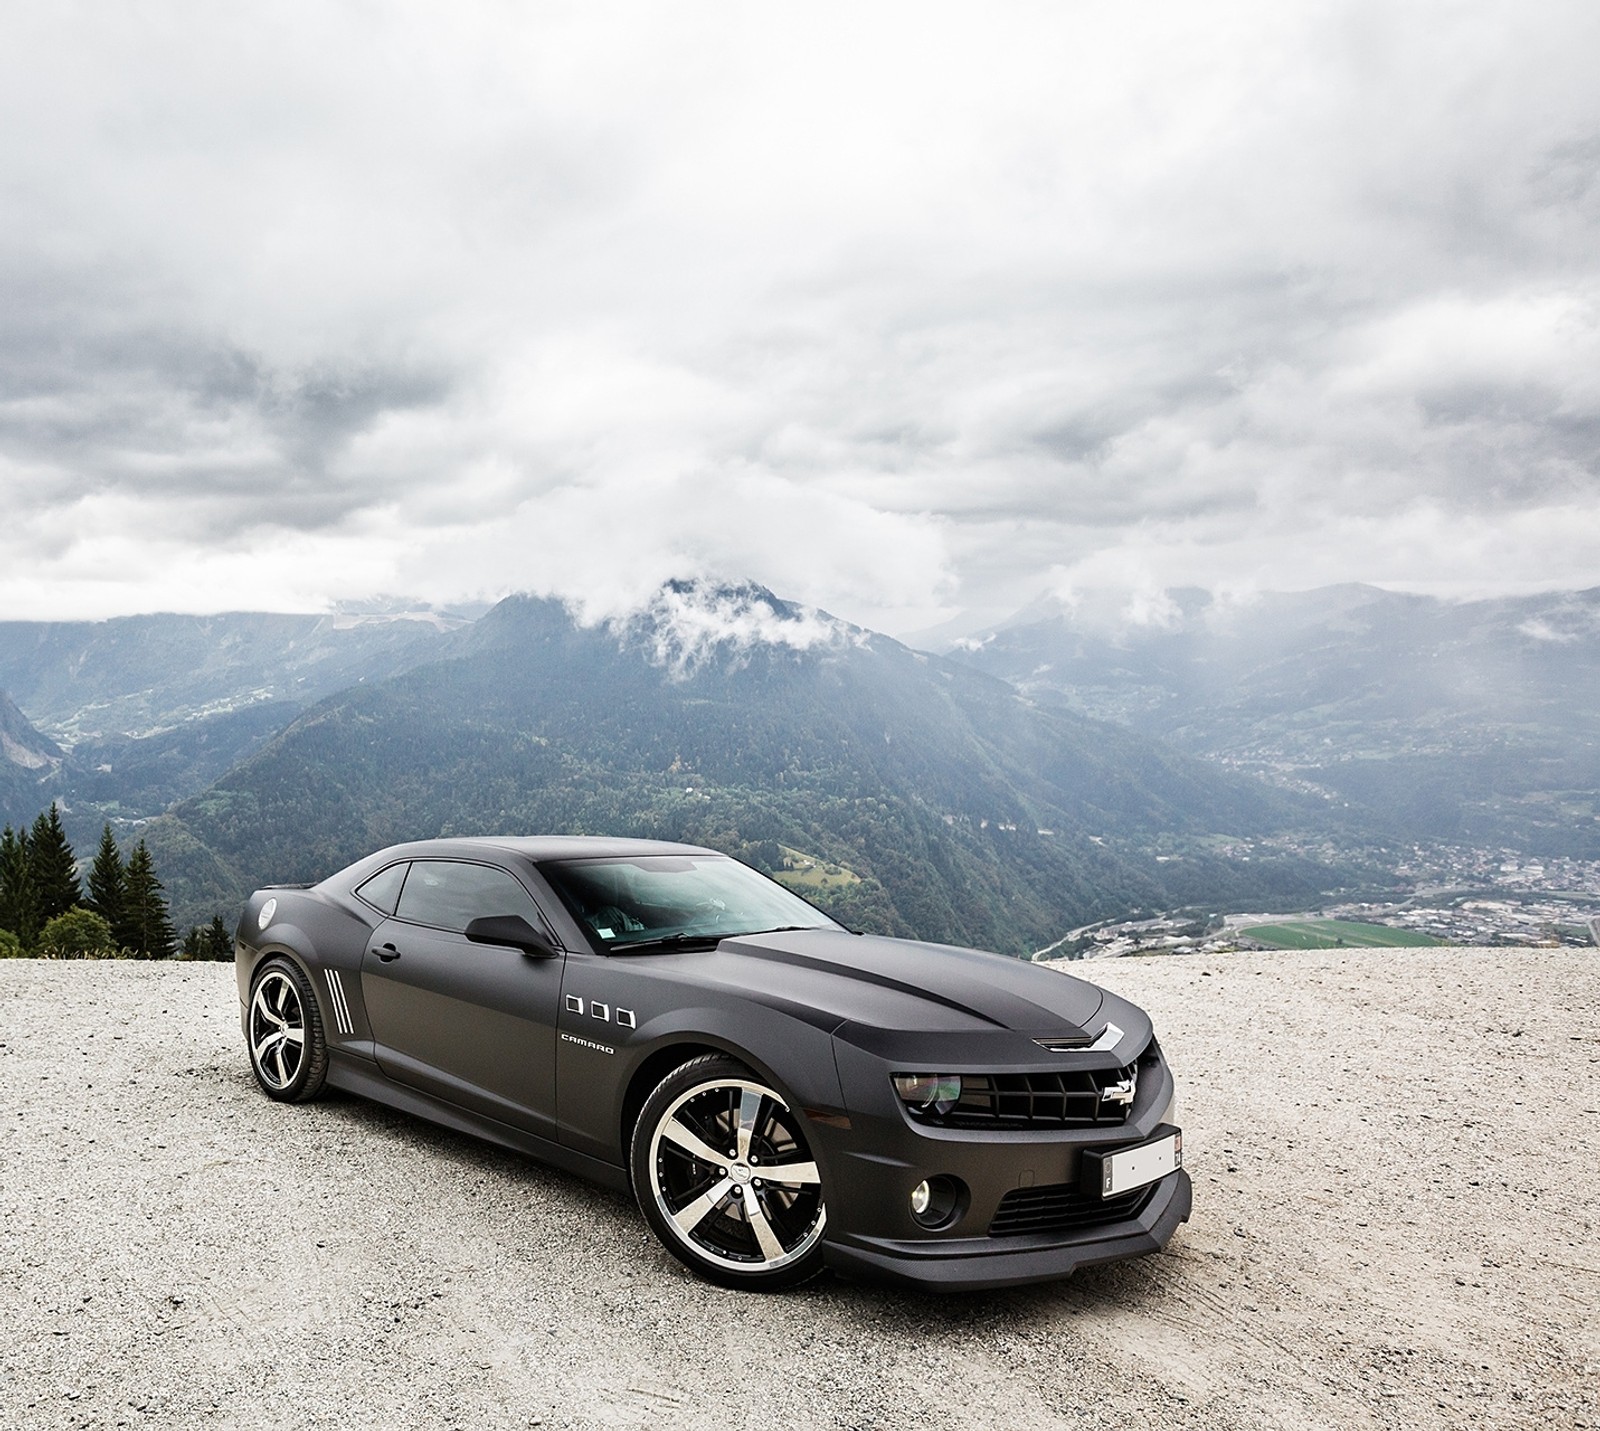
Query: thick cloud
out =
(902, 310)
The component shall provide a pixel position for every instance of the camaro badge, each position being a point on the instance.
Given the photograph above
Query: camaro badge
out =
(587, 1043)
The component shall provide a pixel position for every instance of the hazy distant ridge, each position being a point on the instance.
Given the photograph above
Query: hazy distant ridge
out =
(1475, 721)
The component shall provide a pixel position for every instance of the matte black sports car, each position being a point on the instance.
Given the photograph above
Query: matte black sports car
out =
(780, 1094)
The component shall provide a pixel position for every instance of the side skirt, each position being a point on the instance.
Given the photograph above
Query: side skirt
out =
(359, 1076)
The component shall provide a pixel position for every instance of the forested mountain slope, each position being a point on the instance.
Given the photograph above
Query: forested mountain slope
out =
(142, 711)
(28, 761)
(952, 807)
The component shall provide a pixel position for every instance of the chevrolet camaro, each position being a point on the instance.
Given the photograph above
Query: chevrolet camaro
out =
(781, 1094)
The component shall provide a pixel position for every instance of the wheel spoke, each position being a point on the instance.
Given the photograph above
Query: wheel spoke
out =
(264, 1009)
(277, 1057)
(295, 1035)
(790, 1173)
(266, 1045)
(678, 1132)
(749, 1111)
(766, 1239)
(692, 1214)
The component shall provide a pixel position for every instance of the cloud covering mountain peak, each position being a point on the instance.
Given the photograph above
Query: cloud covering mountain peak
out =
(689, 624)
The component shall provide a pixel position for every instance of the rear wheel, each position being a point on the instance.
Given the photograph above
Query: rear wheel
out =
(288, 1052)
(725, 1179)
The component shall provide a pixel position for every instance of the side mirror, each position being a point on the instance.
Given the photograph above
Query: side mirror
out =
(511, 931)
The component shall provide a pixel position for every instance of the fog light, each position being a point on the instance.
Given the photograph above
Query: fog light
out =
(937, 1202)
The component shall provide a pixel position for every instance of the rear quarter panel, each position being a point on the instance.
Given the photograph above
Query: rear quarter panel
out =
(319, 933)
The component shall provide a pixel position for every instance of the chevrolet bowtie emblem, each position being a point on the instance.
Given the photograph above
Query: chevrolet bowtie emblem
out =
(1118, 1092)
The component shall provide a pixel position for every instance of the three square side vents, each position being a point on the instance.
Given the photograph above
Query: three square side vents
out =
(604, 1012)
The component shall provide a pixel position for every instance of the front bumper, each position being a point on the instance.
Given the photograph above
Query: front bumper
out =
(1029, 1206)
(978, 1264)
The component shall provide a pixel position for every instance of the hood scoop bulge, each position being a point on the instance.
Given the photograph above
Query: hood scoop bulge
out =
(1108, 1037)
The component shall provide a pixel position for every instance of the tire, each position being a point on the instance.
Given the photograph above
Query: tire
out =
(701, 1153)
(288, 1051)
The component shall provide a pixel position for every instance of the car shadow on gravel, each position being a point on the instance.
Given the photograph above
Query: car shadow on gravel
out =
(604, 1214)
(463, 1152)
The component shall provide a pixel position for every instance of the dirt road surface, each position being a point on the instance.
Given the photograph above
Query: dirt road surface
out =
(1396, 1157)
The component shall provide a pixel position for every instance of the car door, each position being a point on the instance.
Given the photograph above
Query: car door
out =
(474, 1024)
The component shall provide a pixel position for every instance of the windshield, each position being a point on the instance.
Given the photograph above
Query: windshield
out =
(675, 899)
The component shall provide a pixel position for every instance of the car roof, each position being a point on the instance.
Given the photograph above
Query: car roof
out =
(543, 847)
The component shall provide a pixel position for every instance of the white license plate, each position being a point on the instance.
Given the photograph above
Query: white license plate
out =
(1134, 1167)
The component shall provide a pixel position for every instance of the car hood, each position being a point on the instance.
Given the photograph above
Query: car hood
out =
(895, 984)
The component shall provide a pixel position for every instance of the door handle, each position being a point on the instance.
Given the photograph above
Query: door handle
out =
(388, 953)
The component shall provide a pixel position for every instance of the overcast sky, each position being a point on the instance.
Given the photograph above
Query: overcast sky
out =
(904, 310)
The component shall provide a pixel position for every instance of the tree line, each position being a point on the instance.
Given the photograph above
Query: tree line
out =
(118, 909)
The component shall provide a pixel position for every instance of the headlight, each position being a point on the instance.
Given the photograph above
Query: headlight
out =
(937, 1091)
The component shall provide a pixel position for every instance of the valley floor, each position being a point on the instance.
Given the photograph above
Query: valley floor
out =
(1395, 1157)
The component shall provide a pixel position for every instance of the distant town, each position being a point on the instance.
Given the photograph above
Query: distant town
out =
(1450, 895)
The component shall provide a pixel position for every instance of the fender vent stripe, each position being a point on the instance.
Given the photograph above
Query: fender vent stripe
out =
(341, 1010)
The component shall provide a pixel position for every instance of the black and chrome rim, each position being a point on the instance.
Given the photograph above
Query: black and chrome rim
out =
(734, 1179)
(277, 1030)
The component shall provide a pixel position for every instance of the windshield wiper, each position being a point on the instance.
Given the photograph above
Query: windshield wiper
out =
(668, 941)
(784, 929)
(685, 940)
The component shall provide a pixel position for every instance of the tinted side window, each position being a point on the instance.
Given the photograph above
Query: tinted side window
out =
(382, 891)
(449, 895)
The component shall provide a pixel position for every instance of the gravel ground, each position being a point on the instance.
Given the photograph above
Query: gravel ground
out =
(1396, 1200)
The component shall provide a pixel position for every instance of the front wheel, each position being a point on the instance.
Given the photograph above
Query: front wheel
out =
(725, 1180)
(288, 1052)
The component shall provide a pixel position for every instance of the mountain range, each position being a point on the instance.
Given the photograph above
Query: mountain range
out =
(1079, 762)
(1476, 722)
(142, 711)
(909, 793)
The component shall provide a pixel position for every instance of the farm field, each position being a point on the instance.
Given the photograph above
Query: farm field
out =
(1335, 934)
(808, 875)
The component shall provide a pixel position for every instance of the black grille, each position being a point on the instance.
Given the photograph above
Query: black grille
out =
(1040, 1100)
(1059, 1207)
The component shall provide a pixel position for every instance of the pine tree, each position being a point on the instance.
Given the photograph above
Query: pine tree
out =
(107, 879)
(52, 866)
(146, 925)
(19, 910)
(219, 943)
